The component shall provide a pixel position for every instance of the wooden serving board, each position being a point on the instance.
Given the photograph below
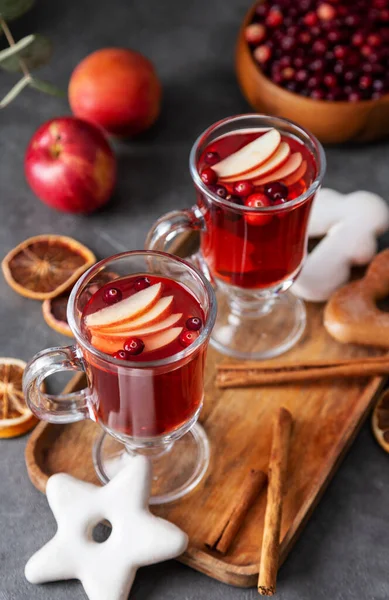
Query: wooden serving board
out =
(238, 422)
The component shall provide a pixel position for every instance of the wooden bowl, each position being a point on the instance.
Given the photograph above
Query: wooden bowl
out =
(330, 122)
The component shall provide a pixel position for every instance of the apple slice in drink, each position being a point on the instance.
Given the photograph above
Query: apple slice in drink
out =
(250, 156)
(159, 311)
(127, 309)
(160, 340)
(279, 157)
(108, 346)
(289, 167)
(292, 179)
(140, 332)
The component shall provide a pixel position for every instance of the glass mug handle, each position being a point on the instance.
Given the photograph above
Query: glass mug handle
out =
(162, 235)
(62, 408)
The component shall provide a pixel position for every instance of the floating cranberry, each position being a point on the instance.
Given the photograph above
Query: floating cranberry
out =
(257, 200)
(112, 295)
(255, 33)
(208, 176)
(221, 191)
(276, 190)
(211, 158)
(187, 337)
(194, 323)
(122, 355)
(141, 283)
(134, 346)
(243, 188)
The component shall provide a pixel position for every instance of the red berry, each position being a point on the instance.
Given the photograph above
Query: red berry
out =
(211, 158)
(141, 283)
(340, 51)
(319, 46)
(310, 19)
(255, 33)
(243, 188)
(354, 97)
(194, 323)
(221, 191)
(257, 200)
(365, 82)
(374, 40)
(276, 191)
(112, 295)
(187, 337)
(357, 39)
(208, 176)
(274, 18)
(122, 355)
(330, 80)
(262, 53)
(326, 12)
(288, 73)
(134, 346)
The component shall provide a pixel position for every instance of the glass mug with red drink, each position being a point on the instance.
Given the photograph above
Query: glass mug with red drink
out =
(142, 322)
(256, 178)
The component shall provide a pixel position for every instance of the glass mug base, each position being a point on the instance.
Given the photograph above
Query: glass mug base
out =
(276, 326)
(177, 469)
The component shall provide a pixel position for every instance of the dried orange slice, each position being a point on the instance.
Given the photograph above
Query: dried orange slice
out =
(15, 417)
(380, 421)
(54, 313)
(44, 266)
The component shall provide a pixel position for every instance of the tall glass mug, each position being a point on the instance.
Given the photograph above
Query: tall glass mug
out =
(146, 407)
(250, 250)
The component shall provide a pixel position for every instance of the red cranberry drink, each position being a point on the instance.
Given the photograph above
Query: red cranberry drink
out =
(138, 319)
(255, 178)
(256, 168)
(142, 323)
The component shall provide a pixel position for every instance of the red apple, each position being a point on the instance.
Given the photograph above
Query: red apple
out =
(118, 89)
(70, 165)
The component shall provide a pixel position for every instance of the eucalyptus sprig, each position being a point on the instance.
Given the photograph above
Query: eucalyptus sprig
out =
(29, 53)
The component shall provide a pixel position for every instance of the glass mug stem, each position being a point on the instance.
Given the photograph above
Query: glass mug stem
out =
(62, 408)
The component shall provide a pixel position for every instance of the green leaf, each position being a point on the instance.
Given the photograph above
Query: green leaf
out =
(12, 9)
(46, 87)
(35, 50)
(15, 91)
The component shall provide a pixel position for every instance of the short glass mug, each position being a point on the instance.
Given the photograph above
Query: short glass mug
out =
(149, 407)
(250, 267)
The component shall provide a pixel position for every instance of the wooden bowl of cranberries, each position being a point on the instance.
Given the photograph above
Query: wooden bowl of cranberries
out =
(321, 63)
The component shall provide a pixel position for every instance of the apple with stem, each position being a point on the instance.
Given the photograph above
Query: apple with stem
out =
(70, 165)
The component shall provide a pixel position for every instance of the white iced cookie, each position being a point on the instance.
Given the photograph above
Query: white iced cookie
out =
(351, 224)
(106, 570)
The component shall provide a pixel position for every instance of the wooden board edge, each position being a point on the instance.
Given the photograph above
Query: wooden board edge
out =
(201, 560)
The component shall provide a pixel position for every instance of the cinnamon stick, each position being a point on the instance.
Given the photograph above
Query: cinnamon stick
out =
(278, 462)
(226, 530)
(248, 373)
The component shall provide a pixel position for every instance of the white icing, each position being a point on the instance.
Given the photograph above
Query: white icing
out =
(351, 224)
(106, 570)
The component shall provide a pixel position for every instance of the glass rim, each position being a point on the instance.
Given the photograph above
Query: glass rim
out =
(81, 339)
(320, 159)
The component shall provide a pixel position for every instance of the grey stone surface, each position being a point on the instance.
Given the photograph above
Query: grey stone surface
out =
(343, 552)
